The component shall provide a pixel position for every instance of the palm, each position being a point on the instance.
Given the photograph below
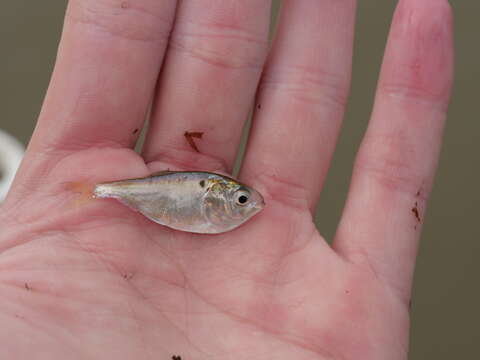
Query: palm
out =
(289, 294)
(98, 280)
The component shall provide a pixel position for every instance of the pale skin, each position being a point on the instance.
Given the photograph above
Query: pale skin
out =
(98, 281)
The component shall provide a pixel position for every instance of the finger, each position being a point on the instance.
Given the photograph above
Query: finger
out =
(395, 166)
(106, 69)
(301, 99)
(216, 53)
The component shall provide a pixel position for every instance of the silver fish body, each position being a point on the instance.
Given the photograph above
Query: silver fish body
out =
(198, 202)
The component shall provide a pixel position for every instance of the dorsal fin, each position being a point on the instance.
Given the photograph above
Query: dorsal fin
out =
(160, 173)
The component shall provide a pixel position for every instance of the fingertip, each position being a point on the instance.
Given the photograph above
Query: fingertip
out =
(419, 56)
(433, 8)
(425, 18)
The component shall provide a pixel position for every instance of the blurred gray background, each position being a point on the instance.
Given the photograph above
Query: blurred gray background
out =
(445, 314)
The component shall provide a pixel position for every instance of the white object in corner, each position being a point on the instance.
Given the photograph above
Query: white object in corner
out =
(11, 154)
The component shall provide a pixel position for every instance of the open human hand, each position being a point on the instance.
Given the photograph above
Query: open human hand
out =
(98, 281)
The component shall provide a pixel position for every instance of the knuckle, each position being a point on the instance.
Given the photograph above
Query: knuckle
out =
(131, 20)
(414, 93)
(311, 85)
(221, 45)
(186, 159)
(392, 161)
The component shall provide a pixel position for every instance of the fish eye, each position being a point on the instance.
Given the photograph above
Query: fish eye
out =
(242, 197)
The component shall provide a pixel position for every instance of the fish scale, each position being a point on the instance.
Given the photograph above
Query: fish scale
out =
(198, 202)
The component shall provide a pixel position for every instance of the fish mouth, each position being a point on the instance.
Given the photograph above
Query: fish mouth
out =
(259, 205)
(262, 202)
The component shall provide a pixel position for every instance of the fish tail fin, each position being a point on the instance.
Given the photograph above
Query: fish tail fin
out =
(84, 190)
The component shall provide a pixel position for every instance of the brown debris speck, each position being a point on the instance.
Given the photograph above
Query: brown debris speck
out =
(127, 276)
(259, 106)
(124, 5)
(135, 131)
(176, 357)
(416, 213)
(190, 135)
(27, 287)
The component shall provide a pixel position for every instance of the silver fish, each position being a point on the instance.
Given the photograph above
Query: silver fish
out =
(197, 202)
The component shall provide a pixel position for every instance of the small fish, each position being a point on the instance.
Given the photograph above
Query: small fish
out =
(197, 202)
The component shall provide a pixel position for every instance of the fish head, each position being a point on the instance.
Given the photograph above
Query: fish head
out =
(229, 204)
